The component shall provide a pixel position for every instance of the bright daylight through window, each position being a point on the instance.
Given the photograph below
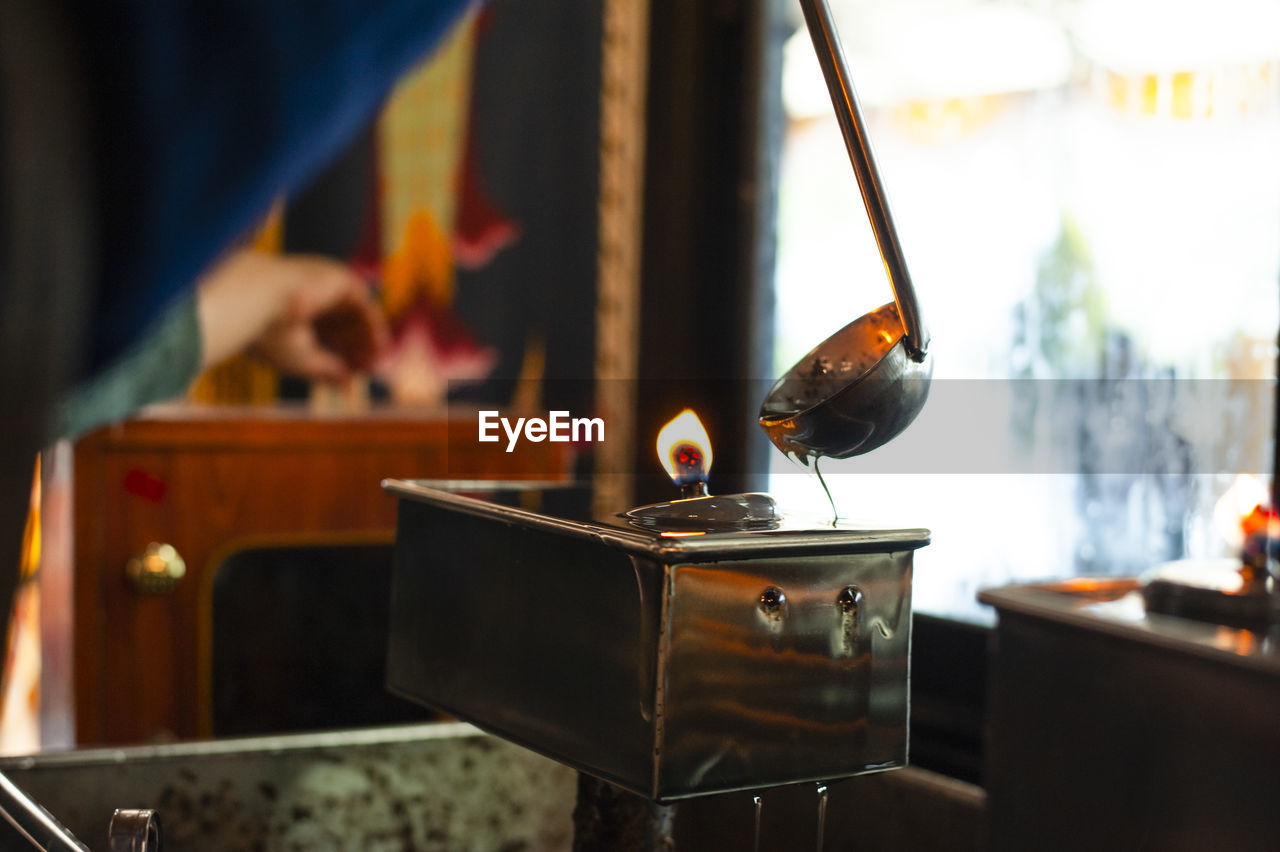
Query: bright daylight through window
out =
(1088, 194)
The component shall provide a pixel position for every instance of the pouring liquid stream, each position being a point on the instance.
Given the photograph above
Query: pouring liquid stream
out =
(835, 513)
(822, 813)
(759, 803)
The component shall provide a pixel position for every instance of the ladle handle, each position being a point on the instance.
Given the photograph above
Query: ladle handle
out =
(817, 15)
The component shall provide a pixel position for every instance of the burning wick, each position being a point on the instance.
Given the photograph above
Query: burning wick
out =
(686, 459)
(685, 451)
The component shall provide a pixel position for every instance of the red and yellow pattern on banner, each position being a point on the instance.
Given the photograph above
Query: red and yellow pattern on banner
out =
(422, 134)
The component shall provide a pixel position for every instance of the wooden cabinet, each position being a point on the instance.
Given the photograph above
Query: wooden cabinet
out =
(210, 482)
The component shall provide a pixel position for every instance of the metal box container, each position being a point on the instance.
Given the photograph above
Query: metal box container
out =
(1114, 728)
(670, 664)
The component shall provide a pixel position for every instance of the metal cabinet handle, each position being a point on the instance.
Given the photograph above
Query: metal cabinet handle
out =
(155, 571)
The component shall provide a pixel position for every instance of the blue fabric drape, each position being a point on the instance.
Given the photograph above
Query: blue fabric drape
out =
(205, 111)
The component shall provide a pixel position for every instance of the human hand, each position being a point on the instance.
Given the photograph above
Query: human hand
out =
(328, 327)
(306, 315)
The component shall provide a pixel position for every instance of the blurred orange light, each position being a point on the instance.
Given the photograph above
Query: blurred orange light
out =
(1234, 508)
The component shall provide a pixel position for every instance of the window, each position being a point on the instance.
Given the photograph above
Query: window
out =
(1089, 199)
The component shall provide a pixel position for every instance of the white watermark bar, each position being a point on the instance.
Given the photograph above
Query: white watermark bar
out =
(1170, 427)
(556, 427)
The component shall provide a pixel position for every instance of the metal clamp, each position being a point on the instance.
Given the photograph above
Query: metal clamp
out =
(134, 831)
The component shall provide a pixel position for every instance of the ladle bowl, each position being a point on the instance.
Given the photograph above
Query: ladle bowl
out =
(855, 391)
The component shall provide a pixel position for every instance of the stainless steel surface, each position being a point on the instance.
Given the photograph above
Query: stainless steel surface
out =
(826, 43)
(791, 535)
(856, 391)
(1114, 608)
(867, 382)
(1111, 727)
(654, 661)
(134, 831)
(442, 785)
(26, 825)
(446, 786)
(718, 512)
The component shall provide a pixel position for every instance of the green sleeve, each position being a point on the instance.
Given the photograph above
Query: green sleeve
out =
(159, 366)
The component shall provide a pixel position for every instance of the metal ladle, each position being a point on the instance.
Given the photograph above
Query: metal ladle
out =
(863, 385)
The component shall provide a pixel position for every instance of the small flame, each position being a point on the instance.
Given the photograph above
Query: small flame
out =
(1237, 509)
(685, 449)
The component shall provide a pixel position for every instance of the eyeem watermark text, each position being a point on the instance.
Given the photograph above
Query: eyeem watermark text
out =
(558, 427)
